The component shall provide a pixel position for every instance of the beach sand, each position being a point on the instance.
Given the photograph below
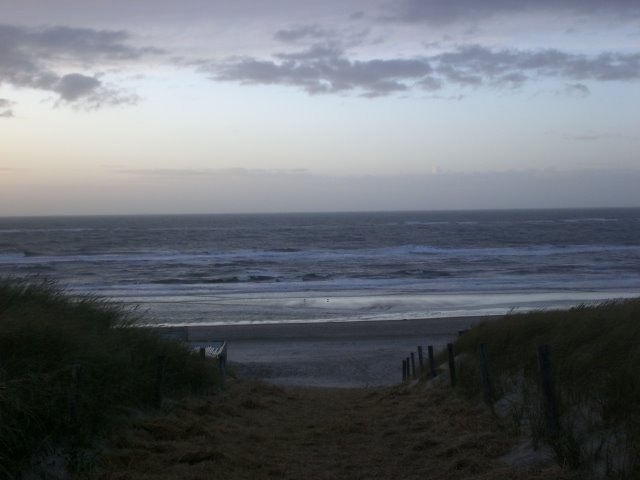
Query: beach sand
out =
(332, 354)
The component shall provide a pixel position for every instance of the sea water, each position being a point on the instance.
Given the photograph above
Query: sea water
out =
(219, 269)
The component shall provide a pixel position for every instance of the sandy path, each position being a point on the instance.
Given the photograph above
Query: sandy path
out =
(335, 354)
(255, 431)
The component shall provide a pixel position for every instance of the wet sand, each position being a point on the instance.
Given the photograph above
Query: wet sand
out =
(334, 330)
(333, 354)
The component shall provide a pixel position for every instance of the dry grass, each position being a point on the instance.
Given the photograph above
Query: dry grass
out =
(596, 360)
(255, 431)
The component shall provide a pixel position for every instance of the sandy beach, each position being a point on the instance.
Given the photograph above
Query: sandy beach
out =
(332, 354)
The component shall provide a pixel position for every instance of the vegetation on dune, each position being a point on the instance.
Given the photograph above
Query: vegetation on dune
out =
(43, 334)
(256, 431)
(595, 353)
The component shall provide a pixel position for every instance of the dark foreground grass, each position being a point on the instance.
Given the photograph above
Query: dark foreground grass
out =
(43, 332)
(596, 366)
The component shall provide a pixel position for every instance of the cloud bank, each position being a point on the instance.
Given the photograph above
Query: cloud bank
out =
(326, 68)
(49, 59)
(67, 61)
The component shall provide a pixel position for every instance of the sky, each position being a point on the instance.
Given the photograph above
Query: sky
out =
(210, 106)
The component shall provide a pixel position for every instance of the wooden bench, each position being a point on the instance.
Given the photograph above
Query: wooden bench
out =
(217, 350)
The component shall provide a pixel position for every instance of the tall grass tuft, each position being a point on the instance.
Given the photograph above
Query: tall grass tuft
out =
(596, 362)
(43, 333)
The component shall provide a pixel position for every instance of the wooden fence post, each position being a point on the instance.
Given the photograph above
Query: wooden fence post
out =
(203, 352)
(159, 386)
(404, 370)
(487, 393)
(420, 358)
(549, 409)
(76, 370)
(452, 364)
(432, 362)
(413, 366)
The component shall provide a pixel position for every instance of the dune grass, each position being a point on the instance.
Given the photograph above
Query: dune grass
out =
(596, 368)
(43, 333)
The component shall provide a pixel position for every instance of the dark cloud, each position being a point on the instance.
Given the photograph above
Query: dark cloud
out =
(74, 86)
(327, 68)
(302, 32)
(476, 65)
(101, 97)
(445, 12)
(316, 37)
(32, 58)
(86, 43)
(93, 93)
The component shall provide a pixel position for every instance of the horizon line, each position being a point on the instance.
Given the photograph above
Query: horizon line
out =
(314, 212)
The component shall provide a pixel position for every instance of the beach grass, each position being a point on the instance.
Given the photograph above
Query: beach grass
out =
(595, 355)
(253, 430)
(46, 408)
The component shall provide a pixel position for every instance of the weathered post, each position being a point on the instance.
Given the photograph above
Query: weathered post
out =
(452, 364)
(432, 362)
(413, 366)
(76, 370)
(549, 409)
(404, 370)
(203, 352)
(486, 380)
(420, 358)
(159, 386)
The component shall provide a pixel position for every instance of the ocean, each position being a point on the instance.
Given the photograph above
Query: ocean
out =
(223, 269)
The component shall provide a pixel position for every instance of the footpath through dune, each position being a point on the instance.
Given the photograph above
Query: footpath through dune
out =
(255, 430)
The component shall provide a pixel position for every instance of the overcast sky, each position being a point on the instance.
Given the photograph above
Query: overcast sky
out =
(205, 106)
